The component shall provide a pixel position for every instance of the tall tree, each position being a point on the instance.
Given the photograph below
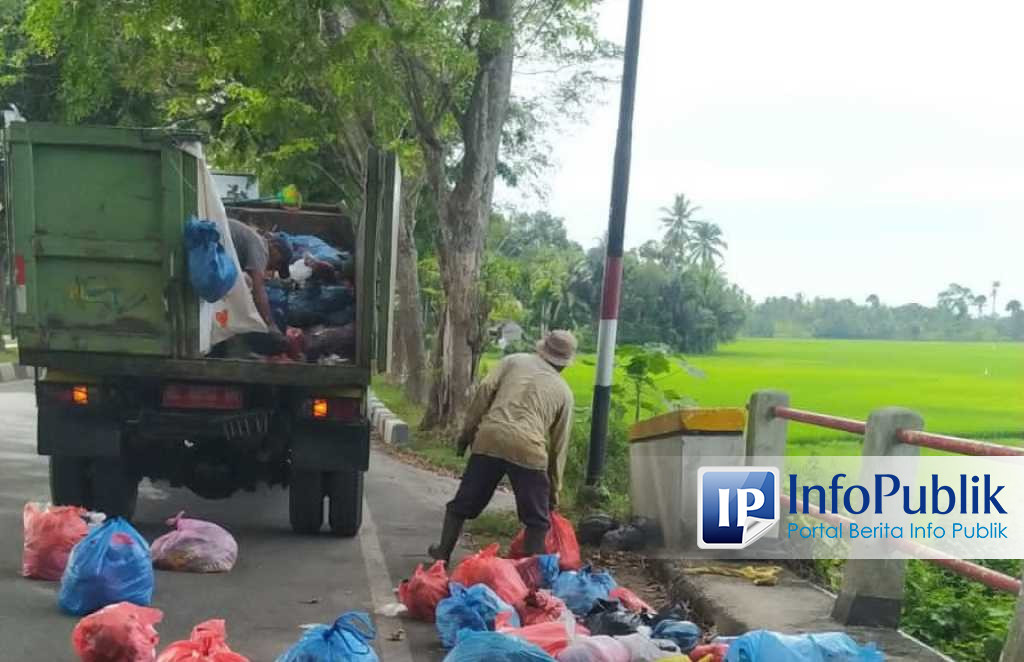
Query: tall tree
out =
(979, 302)
(995, 290)
(1013, 307)
(706, 244)
(873, 301)
(957, 299)
(676, 220)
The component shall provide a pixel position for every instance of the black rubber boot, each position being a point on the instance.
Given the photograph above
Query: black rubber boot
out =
(449, 538)
(533, 541)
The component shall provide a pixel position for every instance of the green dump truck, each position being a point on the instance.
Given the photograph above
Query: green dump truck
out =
(102, 307)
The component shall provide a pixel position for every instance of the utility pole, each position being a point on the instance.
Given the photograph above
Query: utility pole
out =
(612, 285)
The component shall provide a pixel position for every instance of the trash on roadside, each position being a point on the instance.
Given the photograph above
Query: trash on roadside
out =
(539, 571)
(540, 607)
(392, 609)
(679, 611)
(593, 527)
(424, 591)
(120, 632)
(760, 575)
(473, 608)
(486, 646)
(50, 534)
(111, 564)
(208, 643)
(211, 271)
(631, 600)
(346, 640)
(561, 540)
(580, 589)
(767, 646)
(644, 649)
(486, 567)
(639, 534)
(684, 633)
(194, 546)
(597, 648)
(716, 651)
(553, 636)
(397, 635)
(608, 617)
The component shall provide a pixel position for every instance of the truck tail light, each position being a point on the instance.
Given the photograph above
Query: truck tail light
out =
(80, 395)
(201, 396)
(77, 395)
(332, 409)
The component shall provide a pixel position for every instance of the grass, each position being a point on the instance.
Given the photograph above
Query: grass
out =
(964, 389)
(8, 356)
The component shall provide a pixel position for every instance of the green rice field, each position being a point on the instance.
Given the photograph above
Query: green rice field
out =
(964, 389)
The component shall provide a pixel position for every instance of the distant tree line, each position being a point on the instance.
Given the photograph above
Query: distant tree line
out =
(959, 314)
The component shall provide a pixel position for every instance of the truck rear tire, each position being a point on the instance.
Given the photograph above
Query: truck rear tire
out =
(345, 494)
(69, 481)
(306, 501)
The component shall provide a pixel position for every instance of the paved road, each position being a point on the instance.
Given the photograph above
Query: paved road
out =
(280, 581)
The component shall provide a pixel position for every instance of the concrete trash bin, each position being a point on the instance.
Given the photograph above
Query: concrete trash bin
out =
(665, 453)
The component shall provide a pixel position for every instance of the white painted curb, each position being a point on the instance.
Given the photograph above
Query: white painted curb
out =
(392, 429)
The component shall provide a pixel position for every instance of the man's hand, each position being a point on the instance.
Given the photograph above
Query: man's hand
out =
(553, 500)
(464, 442)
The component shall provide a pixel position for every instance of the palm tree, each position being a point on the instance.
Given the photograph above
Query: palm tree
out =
(979, 301)
(995, 289)
(706, 243)
(873, 301)
(1013, 307)
(676, 221)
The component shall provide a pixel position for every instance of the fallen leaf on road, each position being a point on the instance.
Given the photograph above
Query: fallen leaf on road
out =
(397, 635)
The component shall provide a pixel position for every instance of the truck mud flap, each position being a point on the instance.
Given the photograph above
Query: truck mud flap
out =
(77, 436)
(329, 447)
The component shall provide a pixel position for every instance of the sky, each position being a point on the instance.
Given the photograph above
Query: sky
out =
(844, 148)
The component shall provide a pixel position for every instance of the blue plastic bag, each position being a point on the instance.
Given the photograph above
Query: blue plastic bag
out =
(766, 646)
(580, 589)
(473, 608)
(108, 566)
(210, 270)
(303, 244)
(494, 647)
(549, 569)
(347, 640)
(684, 633)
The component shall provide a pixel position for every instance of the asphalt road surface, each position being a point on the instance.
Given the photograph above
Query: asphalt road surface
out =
(280, 582)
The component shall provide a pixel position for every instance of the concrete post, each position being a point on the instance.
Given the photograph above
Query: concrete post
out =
(872, 590)
(766, 435)
(1013, 651)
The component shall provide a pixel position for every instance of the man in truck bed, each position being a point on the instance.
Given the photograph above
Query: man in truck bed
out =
(522, 403)
(257, 255)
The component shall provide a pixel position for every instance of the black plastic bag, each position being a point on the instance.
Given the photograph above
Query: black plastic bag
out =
(639, 534)
(608, 617)
(680, 611)
(593, 527)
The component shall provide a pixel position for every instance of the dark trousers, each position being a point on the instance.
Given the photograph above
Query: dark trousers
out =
(481, 478)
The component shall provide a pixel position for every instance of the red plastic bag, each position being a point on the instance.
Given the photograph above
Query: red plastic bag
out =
(553, 636)
(630, 600)
(561, 540)
(208, 643)
(716, 651)
(486, 567)
(50, 533)
(121, 632)
(541, 607)
(421, 594)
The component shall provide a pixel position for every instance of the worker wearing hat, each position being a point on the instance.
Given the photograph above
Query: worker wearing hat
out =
(518, 425)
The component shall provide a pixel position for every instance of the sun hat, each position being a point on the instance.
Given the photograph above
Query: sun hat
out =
(557, 348)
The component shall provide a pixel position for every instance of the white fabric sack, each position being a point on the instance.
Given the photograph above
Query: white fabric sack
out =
(236, 312)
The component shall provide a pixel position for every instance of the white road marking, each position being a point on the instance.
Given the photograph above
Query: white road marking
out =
(381, 589)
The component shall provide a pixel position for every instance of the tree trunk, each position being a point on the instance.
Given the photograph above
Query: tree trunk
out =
(410, 354)
(464, 214)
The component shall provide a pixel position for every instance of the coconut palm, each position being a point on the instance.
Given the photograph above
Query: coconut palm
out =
(873, 301)
(706, 243)
(979, 302)
(676, 221)
(1013, 306)
(995, 290)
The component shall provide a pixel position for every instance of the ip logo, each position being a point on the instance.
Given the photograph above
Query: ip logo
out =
(736, 505)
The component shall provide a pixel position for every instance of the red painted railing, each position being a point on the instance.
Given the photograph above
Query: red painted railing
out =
(991, 578)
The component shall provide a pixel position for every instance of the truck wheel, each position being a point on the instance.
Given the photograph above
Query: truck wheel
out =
(69, 481)
(345, 493)
(115, 489)
(306, 501)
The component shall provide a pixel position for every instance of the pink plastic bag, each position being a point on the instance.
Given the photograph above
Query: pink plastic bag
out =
(716, 651)
(50, 533)
(486, 567)
(208, 643)
(421, 594)
(561, 540)
(541, 607)
(630, 600)
(121, 632)
(194, 546)
(601, 648)
(553, 636)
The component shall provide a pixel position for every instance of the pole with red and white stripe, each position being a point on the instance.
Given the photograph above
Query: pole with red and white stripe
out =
(612, 286)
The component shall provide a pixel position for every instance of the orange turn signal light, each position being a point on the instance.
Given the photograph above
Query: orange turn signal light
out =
(80, 395)
(319, 408)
